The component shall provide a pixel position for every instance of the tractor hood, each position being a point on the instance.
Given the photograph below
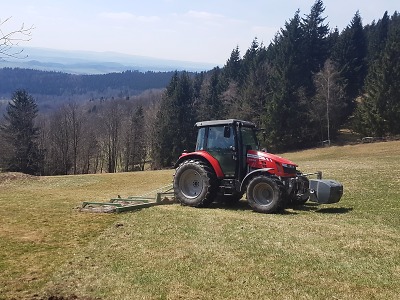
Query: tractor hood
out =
(279, 166)
(260, 155)
(278, 159)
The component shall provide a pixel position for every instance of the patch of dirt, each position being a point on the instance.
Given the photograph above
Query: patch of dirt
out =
(14, 176)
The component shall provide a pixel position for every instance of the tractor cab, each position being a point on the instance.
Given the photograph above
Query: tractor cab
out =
(228, 141)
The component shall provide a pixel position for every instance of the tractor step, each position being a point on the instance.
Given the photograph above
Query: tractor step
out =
(119, 204)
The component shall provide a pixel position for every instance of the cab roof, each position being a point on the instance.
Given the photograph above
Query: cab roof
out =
(225, 122)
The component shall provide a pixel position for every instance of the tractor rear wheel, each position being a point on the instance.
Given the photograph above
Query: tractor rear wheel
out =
(195, 184)
(264, 195)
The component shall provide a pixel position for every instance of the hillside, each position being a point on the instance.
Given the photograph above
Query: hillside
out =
(51, 89)
(348, 250)
(63, 84)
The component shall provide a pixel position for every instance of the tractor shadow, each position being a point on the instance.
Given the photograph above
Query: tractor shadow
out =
(242, 205)
(315, 207)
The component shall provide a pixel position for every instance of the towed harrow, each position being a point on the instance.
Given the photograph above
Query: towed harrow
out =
(163, 195)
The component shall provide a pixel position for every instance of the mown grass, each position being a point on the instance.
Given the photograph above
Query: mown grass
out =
(349, 250)
(41, 226)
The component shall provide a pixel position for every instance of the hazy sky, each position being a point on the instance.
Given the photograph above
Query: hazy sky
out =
(190, 30)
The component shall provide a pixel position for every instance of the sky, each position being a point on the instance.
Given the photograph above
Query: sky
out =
(186, 30)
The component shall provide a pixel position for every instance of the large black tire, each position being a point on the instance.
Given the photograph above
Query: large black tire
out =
(264, 195)
(195, 184)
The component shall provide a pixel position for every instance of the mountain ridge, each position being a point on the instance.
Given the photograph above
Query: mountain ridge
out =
(91, 62)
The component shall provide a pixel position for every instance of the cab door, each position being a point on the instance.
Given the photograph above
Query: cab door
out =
(221, 144)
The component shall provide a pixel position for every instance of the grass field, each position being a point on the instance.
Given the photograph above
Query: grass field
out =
(349, 250)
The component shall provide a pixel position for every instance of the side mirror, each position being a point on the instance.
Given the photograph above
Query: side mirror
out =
(227, 132)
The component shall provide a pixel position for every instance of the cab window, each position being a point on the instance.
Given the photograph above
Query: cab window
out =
(217, 140)
(249, 138)
(200, 139)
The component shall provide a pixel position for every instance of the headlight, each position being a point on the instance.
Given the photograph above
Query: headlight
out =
(288, 166)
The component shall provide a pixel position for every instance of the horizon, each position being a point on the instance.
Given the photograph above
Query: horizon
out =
(199, 32)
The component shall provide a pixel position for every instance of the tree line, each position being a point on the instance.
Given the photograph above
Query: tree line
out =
(77, 138)
(302, 88)
(62, 84)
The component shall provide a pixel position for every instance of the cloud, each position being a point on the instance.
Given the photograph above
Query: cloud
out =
(125, 16)
(203, 15)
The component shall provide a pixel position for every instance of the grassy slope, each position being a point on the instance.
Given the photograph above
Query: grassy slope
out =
(349, 250)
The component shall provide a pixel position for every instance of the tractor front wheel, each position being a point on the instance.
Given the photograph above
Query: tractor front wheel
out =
(195, 184)
(264, 195)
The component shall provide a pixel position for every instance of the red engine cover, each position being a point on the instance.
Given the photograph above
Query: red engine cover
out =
(280, 166)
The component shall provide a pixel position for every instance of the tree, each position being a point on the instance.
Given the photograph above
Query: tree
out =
(21, 134)
(9, 39)
(59, 146)
(175, 120)
(255, 93)
(377, 34)
(350, 55)
(134, 143)
(297, 53)
(233, 67)
(75, 123)
(315, 41)
(379, 111)
(251, 59)
(329, 102)
(285, 108)
(210, 101)
(139, 142)
(112, 128)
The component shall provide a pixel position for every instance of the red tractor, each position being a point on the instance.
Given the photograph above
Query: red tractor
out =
(227, 163)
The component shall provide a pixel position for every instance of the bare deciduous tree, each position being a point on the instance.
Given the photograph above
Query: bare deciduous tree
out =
(12, 38)
(329, 101)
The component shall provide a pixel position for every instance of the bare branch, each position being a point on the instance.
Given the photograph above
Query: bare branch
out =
(10, 39)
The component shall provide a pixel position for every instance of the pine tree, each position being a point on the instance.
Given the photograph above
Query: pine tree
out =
(285, 108)
(255, 93)
(21, 134)
(233, 67)
(315, 42)
(250, 57)
(210, 102)
(175, 120)
(379, 112)
(350, 55)
(377, 36)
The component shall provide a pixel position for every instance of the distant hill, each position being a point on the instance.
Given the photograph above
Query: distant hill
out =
(63, 84)
(51, 88)
(55, 76)
(85, 62)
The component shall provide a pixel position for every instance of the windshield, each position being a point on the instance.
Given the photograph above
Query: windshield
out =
(249, 138)
(217, 141)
